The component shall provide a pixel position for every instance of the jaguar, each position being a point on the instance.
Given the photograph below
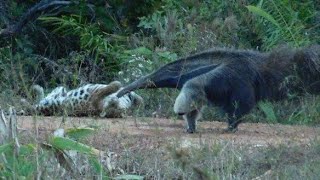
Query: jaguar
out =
(87, 100)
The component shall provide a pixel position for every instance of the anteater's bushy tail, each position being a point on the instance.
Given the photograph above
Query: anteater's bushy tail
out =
(308, 67)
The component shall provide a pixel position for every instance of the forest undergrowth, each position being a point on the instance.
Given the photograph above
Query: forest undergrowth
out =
(101, 41)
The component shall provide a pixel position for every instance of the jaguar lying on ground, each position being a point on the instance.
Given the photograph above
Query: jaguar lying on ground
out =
(87, 100)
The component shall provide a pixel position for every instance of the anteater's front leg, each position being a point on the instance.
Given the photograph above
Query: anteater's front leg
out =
(191, 119)
(233, 124)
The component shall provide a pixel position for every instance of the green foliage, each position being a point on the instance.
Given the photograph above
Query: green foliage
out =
(161, 55)
(98, 168)
(20, 162)
(142, 60)
(188, 26)
(267, 108)
(78, 133)
(307, 112)
(123, 40)
(166, 26)
(66, 144)
(91, 38)
(262, 13)
(21, 166)
(288, 24)
(69, 144)
(299, 110)
(16, 9)
(16, 69)
(5, 148)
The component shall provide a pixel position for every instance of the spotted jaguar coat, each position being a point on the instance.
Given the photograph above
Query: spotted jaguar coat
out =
(90, 99)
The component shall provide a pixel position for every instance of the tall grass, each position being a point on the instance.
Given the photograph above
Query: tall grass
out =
(285, 22)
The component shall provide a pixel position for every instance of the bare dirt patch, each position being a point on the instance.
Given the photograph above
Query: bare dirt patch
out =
(154, 132)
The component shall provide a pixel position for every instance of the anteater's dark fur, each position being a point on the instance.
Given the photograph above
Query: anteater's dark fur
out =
(235, 80)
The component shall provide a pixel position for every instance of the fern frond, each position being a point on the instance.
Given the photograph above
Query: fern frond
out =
(90, 36)
(262, 13)
(284, 24)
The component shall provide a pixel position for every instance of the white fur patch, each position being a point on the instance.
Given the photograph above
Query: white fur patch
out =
(122, 104)
(182, 104)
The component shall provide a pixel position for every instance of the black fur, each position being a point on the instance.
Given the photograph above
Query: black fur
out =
(175, 74)
(235, 80)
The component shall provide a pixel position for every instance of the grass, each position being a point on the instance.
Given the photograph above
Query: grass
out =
(160, 157)
(221, 161)
(303, 110)
(180, 29)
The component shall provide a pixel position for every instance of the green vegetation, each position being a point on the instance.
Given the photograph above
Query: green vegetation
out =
(119, 40)
(100, 41)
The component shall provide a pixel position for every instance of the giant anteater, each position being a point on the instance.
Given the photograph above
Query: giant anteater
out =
(234, 80)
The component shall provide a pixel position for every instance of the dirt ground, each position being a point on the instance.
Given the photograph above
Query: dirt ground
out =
(158, 131)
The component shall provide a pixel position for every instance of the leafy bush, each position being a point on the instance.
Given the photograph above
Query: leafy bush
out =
(285, 22)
